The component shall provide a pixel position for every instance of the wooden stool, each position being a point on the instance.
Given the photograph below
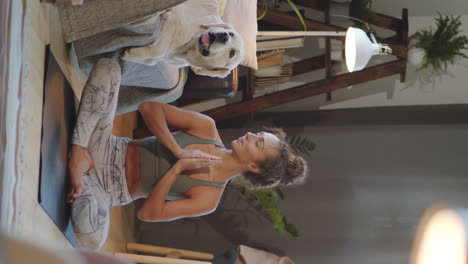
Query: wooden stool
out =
(171, 255)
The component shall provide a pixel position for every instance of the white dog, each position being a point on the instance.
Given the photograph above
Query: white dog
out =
(193, 34)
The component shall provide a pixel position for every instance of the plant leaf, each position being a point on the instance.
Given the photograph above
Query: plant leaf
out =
(301, 144)
(279, 192)
(290, 228)
(265, 10)
(298, 13)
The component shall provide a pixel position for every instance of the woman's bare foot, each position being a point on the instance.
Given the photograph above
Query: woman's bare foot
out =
(78, 164)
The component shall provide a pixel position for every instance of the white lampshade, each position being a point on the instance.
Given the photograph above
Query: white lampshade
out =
(441, 237)
(358, 49)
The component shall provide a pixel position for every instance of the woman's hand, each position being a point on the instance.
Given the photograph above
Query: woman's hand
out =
(196, 159)
(194, 154)
(79, 163)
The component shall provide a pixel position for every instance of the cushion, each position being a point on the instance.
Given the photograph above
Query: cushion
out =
(96, 16)
(221, 6)
(242, 15)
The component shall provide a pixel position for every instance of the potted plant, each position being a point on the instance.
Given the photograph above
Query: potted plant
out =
(361, 9)
(266, 5)
(438, 48)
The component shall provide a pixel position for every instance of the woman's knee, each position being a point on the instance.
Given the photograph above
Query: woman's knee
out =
(91, 231)
(109, 69)
(92, 241)
(90, 218)
(111, 65)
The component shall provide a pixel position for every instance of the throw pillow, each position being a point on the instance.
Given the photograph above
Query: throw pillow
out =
(222, 5)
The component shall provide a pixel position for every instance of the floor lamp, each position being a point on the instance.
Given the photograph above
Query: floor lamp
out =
(359, 48)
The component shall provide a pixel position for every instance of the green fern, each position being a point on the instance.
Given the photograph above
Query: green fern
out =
(301, 145)
(268, 199)
(442, 46)
(264, 201)
(290, 228)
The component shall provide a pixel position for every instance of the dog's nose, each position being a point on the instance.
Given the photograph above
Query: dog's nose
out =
(222, 37)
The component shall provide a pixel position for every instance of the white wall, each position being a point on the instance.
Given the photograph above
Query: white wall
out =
(421, 7)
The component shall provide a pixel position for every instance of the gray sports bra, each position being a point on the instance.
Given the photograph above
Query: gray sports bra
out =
(156, 160)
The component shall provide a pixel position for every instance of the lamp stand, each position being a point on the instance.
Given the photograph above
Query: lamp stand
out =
(303, 33)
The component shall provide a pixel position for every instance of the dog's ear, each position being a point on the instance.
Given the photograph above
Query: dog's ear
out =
(220, 25)
(218, 72)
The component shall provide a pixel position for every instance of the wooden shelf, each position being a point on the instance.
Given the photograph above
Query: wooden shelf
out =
(307, 90)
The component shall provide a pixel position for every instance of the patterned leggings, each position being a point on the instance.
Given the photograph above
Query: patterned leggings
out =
(105, 185)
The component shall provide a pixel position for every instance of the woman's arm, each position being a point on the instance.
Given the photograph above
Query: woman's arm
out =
(159, 117)
(156, 208)
(202, 204)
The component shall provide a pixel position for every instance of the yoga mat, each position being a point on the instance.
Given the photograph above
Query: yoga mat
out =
(58, 119)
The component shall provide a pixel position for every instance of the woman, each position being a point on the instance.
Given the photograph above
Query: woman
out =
(180, 174)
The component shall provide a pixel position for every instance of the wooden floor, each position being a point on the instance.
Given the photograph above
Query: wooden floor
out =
(29, 221)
